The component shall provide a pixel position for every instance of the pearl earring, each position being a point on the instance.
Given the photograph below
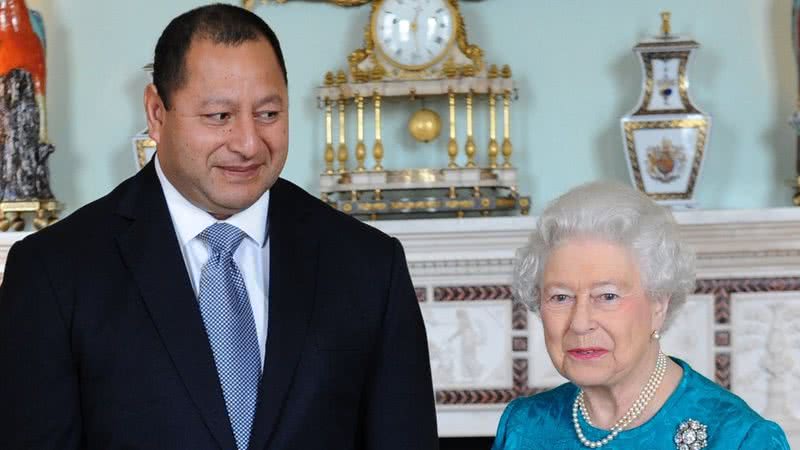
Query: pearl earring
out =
(656, 335)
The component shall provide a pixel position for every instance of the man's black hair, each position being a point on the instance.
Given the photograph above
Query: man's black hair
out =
(219, 23)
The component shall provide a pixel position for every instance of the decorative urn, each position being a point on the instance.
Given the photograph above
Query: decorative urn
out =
(666, 135)
(24, 145)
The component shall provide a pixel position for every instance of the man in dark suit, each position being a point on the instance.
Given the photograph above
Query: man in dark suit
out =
(205, 303)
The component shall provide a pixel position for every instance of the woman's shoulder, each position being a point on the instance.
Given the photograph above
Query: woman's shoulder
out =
(703, 391)
(542, 403)
(765, 434)
(724, 410)
(527, 420)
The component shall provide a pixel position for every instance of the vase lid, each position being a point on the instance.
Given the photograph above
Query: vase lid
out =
(666, 40)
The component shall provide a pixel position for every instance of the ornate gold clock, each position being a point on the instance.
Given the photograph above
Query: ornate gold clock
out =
(413, 40)
(413, 35)
(418, 49)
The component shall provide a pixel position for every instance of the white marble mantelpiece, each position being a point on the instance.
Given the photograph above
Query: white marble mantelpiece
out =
(725, 240)
(485, 350)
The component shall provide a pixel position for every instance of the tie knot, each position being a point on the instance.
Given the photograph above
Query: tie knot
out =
(222, 238)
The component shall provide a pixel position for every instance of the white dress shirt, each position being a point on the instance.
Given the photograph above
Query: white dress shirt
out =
(252, 255)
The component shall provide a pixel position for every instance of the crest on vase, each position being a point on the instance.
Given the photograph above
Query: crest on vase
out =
(666, 162)
(665, 156)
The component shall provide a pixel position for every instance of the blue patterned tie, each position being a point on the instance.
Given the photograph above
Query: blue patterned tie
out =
(231, 328)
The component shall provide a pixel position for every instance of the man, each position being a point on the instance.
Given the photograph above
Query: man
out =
(206, 303)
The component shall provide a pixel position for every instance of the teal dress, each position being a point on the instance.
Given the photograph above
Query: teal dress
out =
(544, 421)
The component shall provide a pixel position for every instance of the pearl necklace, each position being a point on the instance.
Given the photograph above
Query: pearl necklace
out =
(647, 394)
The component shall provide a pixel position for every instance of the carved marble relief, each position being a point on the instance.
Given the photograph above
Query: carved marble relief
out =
(766, 350)
(470, 344)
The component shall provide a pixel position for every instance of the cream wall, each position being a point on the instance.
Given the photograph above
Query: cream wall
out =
(572, 60)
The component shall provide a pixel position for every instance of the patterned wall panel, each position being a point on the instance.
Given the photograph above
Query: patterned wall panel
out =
(765, 366)
(487, 349)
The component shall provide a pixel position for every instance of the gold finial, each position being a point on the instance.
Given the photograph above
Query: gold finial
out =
(329, 79)
(468, 71)
(506, 71)
(665, 25)
(359, 75)
(341, 78)
(450, 69)
(377, 73)
(493, 71)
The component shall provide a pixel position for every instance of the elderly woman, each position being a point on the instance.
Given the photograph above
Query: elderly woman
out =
(606, 271)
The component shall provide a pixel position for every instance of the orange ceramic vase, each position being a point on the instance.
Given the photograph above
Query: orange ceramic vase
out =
(20, 47)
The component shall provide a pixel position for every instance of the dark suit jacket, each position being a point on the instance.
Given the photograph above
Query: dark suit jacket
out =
(102, 345)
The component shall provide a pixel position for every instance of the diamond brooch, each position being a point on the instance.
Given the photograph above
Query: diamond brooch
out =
(691, 435)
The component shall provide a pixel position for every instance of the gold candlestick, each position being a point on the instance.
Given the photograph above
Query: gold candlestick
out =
(666, 28)
(341, 79)
(377, 148)
(329, 153)
(469, 147)
(342, 144)
(361, 149)
(452, 145)
(507, 148)
(493, 148)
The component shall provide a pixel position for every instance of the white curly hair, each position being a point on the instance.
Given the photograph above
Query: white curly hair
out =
(616, 213)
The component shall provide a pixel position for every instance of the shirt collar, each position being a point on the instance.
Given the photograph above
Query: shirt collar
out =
(189, 220)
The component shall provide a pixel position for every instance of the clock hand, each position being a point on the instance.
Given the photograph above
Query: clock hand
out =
(415, 28)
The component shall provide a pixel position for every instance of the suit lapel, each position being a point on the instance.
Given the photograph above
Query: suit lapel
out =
(292, 283)
(150, 249)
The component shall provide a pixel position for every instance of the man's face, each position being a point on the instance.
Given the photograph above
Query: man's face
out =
(224, 140)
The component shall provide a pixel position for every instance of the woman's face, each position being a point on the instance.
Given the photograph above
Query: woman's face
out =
(597, 319)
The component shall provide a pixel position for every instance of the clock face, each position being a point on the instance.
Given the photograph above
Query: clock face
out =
(414, 34)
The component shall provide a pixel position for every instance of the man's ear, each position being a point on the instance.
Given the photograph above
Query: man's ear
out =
(155, 111)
